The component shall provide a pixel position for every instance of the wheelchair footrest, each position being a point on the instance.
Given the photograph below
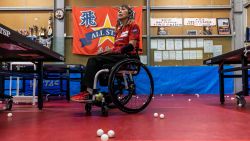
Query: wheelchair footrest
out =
(85, 101)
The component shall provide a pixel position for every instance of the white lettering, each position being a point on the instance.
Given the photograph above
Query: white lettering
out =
(124, 34)
(4, 32)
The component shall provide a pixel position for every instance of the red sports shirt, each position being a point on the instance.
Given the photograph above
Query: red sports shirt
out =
(125, 34)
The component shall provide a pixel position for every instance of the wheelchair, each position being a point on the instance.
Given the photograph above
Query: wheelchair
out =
(8, 101)
(129, 87)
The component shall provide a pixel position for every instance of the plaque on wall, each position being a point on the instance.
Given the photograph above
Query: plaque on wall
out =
(191, 32)
(162, 30)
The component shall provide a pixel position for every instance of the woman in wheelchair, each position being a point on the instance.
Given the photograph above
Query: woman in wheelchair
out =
(124, 70)
(126, 40)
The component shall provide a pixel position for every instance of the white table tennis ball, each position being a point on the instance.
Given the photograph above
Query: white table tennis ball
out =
(111, 133)
(99, 132)
(189, 99)
(156, 115)
(9, 115)
(104, 137)
(162, 116)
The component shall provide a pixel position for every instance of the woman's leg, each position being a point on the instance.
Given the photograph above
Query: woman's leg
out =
(95, 64)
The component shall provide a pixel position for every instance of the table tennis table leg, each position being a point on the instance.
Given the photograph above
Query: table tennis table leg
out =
(68, 85)
(40, 85)
(244, 76)
(1, 83)
(221, 82)
(1, 86)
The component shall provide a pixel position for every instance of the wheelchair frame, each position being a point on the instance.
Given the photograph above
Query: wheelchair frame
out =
(110, 97)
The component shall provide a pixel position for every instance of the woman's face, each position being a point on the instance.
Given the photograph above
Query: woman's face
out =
(122, 13)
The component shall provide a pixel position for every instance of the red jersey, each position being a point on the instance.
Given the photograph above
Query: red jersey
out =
(125, 34)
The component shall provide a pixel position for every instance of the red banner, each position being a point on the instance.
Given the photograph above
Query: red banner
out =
(94, 29)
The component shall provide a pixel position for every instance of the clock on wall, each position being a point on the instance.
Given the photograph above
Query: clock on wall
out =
(59, 14)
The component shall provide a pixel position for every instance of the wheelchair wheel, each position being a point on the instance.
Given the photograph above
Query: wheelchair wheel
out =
(131, 86)
(241, 102)
(88, 108)
(118, 91)
(8, 104)
(104, 111)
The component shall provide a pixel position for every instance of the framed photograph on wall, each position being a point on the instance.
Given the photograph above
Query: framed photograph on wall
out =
(207, 30)
(223, 26)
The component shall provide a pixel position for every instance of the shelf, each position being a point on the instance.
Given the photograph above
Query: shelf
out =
(190, 36)
(198, 7)
(71, 37)
(177, 36)
(26, 8)
(69, 8)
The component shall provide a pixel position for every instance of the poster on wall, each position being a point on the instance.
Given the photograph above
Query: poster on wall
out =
(166, 22)
(94, 29)
(200, 21)
(223, 26)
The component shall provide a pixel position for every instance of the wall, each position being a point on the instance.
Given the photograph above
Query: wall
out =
(23, 19)
(80, 59)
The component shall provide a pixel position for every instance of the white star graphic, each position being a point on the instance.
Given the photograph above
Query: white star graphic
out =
(107, 24)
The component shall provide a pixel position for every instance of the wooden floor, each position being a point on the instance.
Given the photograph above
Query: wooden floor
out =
(196, 119)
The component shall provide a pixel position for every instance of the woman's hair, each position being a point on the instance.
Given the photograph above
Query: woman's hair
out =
(130, 11)
(131, 15)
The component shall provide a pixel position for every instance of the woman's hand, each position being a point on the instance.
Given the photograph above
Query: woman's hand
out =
(104, 53)
(109, 52)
